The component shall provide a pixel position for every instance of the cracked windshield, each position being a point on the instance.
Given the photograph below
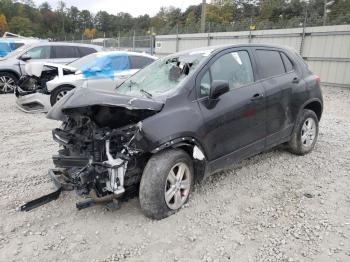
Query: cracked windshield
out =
(163, 76)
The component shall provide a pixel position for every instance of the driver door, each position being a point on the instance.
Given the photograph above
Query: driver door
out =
(234, 123)
(37, 54)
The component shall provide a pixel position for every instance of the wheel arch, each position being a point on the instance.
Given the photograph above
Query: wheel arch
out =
(316, 106)
(9, 71)
(193, 148)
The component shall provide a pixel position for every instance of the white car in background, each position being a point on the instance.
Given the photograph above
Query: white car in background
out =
(46, 83)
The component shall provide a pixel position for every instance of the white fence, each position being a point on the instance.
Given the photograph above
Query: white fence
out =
(326, 49)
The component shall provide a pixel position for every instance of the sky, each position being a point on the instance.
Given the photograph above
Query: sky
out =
(133, 7)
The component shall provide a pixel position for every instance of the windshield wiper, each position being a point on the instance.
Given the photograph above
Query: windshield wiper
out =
(149, 95)
(131, 83)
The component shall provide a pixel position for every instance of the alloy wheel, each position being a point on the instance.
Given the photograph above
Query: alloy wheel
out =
(61, 94)
(7, 84)
(177, 186)
(308, 132)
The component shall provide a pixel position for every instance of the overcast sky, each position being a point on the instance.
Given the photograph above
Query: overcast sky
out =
(133, 7)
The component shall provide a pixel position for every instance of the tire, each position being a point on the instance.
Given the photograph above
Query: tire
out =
(58, 93)
(303, 139)
(8, 81)
(155, 182)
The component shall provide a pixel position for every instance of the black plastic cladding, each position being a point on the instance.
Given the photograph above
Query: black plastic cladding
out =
(232, 127)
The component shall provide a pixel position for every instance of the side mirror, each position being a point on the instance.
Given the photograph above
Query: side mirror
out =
(25, 57)
(218, 88)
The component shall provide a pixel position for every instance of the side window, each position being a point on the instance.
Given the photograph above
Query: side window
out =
(86, 51)
(205, 84)
(272, 63)
(138, 62)
(234, 67)
(40, 52)
(66, 52)
(287, 63)
(118, 63)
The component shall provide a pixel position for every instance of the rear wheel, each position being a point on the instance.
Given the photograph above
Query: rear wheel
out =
(305, 134)
(58, 93)
(166, 183)
(8, 82)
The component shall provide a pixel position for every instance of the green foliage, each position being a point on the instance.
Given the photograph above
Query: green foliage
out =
(23, 17)
(21, 25)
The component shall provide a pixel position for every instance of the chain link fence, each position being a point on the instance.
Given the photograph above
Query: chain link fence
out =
(144, 44)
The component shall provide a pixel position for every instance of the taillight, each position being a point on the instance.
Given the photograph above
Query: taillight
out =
(318, 79)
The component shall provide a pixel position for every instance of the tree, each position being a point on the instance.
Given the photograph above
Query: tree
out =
(89, 33)
(103, 21)
(21, 25)
(3, 24)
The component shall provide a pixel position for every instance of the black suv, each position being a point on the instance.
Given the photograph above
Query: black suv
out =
(181, 118)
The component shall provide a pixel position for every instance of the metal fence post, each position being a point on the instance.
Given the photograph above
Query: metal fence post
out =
(177, 37)
(133, 42)
(118, 40)
(303, 34)
(151, 42)
(208, 34)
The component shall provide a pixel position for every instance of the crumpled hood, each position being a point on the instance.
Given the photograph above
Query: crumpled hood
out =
(85, 97)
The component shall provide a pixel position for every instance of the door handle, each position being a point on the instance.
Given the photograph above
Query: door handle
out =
(295, 80)
(257, 97)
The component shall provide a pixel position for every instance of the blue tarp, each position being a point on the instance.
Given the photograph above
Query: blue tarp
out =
(6, 47)
(106, 66)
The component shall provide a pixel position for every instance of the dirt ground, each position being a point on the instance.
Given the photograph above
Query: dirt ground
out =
(273, 207)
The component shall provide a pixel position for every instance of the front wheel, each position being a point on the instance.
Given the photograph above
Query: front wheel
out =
(58, 93)
(305, 133)
(8, 82)
(166, 183)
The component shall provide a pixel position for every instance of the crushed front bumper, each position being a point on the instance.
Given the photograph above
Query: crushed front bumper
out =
(33, 103)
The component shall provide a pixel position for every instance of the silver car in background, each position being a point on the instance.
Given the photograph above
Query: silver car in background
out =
(12, 66)
(47, 83)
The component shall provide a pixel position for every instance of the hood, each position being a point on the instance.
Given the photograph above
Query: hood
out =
(108, 105)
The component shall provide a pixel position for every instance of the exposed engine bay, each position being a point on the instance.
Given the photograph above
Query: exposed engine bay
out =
(99, 157)
(103, 160)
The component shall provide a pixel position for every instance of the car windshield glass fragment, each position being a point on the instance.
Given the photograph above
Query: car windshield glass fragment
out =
(163, 76)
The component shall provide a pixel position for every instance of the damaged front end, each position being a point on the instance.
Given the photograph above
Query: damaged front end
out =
(31, 90)
(100, 154)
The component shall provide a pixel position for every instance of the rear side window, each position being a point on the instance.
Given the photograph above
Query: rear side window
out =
(287, 63)
(138, 62)
(66, 52)
(271, 62)
(86, 51)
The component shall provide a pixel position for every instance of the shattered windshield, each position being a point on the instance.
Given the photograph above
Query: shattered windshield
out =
(162, 76)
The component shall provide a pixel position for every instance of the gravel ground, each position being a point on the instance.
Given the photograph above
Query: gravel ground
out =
(272, 207)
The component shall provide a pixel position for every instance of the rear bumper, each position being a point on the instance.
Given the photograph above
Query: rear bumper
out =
(34, 103)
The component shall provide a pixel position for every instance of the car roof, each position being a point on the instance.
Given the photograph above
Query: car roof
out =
(218, 48)
(127, 53)
(97, 47)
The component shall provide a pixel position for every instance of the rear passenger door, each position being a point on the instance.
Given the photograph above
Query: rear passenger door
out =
(277, 74)
(65, 54)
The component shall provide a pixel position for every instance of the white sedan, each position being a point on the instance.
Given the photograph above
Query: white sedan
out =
(46, 83)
